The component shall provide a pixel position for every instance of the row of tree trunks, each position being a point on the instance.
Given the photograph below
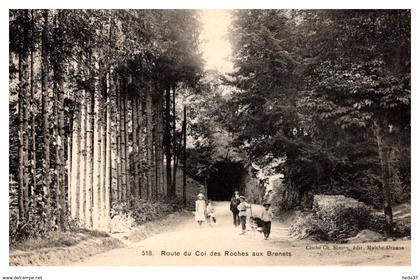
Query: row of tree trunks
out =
(104, 137)
(94, 153)
(112, 132)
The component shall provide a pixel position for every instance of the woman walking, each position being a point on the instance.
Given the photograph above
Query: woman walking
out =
(200, 209)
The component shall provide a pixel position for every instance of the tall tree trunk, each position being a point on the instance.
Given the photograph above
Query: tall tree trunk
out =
(25, 94)
(89, 158)
(184, 158)
(117, 112)
(174, 151)
(106, 137)
(58, 124)
(167, 140)
(21, 150)
(177, 156)
(97, 135)
(83, 159)
(127, 120)
(59, 145)
(134, 103)
(159, 141)
(386, 195)
(61, 155)
(56, 179)
(123, 143)
(154, 145)
(103, 133)
(149, 141)
(109, 165)
(69, 154)
(112, 115)
(75, 165)
(45, 120)
(140, 128)
(33, 113)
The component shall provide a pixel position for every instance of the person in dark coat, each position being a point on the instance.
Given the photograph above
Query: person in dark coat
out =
(234, 202)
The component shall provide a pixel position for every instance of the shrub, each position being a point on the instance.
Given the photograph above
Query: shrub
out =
(145, 211)
(333, 218)
(124, 217)
(307, 225)
(340, 217)
(37, 224)
(401, 227)
(376, 222)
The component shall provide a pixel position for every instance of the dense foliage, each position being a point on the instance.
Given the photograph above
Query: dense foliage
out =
(329, 92)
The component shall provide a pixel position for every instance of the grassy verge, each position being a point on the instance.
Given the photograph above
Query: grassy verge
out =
(57, 239)
(60, 248)
(63, 248)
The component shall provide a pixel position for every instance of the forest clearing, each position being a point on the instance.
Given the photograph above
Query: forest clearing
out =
(122, 122)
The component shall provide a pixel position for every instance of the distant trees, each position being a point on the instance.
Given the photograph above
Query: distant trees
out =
(329, 91)
(88, 87)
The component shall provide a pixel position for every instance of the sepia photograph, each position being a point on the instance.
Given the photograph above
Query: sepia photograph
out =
(209, 137)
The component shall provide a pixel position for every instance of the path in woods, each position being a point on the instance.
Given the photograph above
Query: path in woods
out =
(224, 239)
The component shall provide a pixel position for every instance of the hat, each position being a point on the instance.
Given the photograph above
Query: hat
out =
(200, 195)
(266, 203)
(236, 191)
(243, 197)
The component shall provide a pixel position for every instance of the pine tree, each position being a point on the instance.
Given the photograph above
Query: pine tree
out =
(45, 114)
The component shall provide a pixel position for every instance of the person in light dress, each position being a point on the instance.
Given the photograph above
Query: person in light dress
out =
(200, 209)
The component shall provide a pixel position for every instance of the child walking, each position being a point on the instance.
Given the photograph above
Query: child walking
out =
(266, 218)
(211, 214)
(242, 212)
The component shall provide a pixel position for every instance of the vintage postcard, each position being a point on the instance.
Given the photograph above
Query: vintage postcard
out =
(199, 137)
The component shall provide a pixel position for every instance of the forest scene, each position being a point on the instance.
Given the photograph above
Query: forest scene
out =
(120, 119)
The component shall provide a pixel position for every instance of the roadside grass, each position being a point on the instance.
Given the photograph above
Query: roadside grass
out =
(58, 239)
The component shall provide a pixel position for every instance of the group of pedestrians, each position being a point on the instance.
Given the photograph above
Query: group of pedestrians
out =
(204, 211)
(239, 208)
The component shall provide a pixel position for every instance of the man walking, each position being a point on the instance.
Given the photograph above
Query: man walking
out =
(266, 218)
(234, 202)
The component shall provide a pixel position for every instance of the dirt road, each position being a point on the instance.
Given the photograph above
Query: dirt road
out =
(221, 245)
